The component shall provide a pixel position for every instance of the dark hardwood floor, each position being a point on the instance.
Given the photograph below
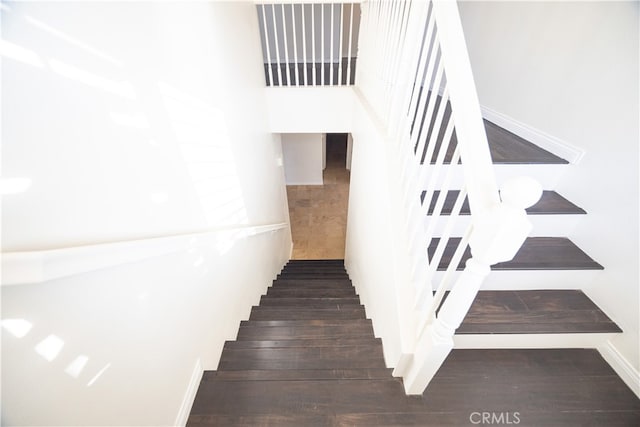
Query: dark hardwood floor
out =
(505, 147)
(535, 312)
(537, 253)
(329, 370)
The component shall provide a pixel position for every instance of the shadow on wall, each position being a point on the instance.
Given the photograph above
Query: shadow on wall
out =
(197, 129)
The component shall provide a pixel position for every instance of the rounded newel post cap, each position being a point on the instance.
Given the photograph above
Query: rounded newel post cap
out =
(521, 192)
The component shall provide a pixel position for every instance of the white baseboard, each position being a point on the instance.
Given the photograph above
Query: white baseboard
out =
(189, 395)
(560, 148)
(623, 368)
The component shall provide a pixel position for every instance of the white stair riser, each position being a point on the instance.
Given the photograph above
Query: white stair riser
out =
(543, 225)
(547, 175)
(518, 280)
(586, 340)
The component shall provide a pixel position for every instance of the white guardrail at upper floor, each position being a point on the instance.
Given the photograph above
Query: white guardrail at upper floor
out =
(309, 44)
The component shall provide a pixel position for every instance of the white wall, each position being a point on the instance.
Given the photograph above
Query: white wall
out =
(161, 138)
(570, 70)
(310, 109)
(120, 122)
(303, 159)
(145, 329)
(370, 251)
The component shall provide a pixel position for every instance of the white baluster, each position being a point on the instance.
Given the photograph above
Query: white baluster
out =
(304, 46)
(286, 45)
(266, 44)
(295, 44)
(350, 43)
(277, 42)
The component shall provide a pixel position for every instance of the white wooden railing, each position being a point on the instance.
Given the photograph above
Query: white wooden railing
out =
(38, 266)
(309, 43)
(415, 75)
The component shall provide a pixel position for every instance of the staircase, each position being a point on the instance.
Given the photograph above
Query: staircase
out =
(308, 356)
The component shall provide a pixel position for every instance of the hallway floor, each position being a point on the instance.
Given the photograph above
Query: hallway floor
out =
(318, 213)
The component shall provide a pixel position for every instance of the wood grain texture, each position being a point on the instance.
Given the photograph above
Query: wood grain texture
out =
(537, 253)
(540, 312)
(551, 203)
(317, 371)
(505, 147)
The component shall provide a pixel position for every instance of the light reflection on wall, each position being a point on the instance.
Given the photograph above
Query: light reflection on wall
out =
(19, 328)
(50, 348)
(72, 40)
(204, 142)
(122, 88)
(15, 185)
(19, 53)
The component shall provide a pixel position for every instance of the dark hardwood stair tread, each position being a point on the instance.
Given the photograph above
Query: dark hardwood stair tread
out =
(424, 419)
(312, 271)
(311, 282)
(310, 302)
(312, 275)
(289, 313)
(535, 312)
(253, 333)
(318, 323)
(325, 262)
(505, 147)
(318, 342)
(276, 292)
(343, 357)
(299, 374)
(537, 253)
(332, 371)
(508, 148)
(504, 391)
(551, 203)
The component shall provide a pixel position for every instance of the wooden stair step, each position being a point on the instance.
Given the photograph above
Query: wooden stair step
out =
(547, 417)
(332, 371)
(292, 313)
(311, 275)
(318, 342)
(542, 384)
(537, 253)
(312, 397)
(508, 148)
(344, 357)
(505, 147)
(535, 312)
(315, 269)
(551, 203)
(262, 420)
(270, 333)
(296, 323)
(299, 374)
(310, 302)
(276, 292)
(315, 262)
(316, 283)
(322, 268)
(523, 363)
